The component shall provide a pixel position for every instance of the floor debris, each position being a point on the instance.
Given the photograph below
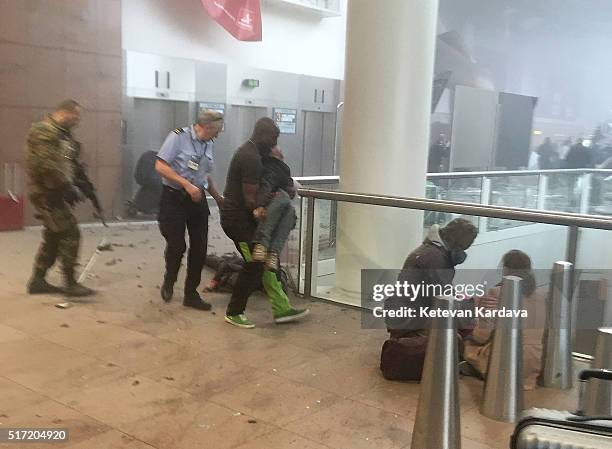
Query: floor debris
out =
(108, 246)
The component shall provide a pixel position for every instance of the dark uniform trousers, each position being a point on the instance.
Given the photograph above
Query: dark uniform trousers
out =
(176, 212)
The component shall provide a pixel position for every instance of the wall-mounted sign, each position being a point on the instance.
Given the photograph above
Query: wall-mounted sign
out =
(252, 83)
(241, 18)
(286, 120)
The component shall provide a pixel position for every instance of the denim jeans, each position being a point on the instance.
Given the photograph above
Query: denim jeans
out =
(274, 230)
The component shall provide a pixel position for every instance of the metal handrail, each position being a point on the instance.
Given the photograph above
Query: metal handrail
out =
(499, 173)
(316, 180)
(454, 207)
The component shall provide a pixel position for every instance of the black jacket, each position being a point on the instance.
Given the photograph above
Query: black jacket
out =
(579, 157)
(428, 265)
(276, 176)
(431, 266)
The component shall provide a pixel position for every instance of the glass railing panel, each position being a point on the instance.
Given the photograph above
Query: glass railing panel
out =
(375, 237)
(563, 192)
(593, 296)
(515, 191)
(600, 197)
(465, 189)
(452, 189)
(512, 191)
(325, 255)
(545, 244)
(292, 259)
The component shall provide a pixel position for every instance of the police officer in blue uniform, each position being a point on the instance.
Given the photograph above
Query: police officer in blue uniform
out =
(185, 162)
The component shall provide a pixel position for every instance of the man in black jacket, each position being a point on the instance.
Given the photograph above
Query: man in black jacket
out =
(431, 265)
(579, 156)
(239, 217)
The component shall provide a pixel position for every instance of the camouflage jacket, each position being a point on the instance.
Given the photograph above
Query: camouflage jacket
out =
(52, 162)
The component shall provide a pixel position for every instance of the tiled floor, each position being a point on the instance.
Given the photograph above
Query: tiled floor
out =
(126, 371)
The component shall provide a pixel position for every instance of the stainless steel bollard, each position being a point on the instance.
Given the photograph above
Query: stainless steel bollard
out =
(437, 420)
(598, 397)
(557, 362)
(503, 391)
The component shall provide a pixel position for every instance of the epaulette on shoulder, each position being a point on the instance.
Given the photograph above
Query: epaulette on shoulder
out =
(178, 131)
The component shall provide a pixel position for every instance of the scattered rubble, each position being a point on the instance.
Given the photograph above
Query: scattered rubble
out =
(105, 247)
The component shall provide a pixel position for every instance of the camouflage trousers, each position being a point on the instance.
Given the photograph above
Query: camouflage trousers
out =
(61, 236)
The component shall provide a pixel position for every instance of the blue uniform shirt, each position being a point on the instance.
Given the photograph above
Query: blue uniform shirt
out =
(188, 156)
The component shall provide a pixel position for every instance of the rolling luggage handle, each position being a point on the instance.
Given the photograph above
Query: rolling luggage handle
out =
(584, 377)
(540, 428)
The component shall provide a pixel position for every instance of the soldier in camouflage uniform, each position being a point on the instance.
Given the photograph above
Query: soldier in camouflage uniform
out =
(51, 162)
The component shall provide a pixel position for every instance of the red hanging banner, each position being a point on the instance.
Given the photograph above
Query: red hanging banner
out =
(242, 18)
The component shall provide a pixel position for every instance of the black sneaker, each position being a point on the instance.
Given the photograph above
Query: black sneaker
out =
(39, 286)
(194, 301)
(167, 291)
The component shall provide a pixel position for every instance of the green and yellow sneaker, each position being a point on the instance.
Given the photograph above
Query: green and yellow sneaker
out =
(291, 315)
(239, 321)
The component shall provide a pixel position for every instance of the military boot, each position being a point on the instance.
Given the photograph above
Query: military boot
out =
(77, 291)
(38, 285)
(74, 289)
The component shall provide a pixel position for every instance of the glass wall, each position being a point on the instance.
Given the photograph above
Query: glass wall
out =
(544, 244)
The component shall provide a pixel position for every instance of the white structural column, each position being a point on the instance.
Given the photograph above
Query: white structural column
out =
(385, 134)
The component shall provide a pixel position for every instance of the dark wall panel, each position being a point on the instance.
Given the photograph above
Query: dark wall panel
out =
(515, 123)
(52, 50)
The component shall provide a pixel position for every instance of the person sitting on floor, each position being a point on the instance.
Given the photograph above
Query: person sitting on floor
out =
(432, 265)
(478, 345)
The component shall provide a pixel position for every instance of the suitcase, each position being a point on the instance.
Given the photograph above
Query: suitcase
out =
(11, 213)
(554, 429)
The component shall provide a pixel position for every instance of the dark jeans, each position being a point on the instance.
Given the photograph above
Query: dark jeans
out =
(253, 273)
(273, 232)
(176, 212)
